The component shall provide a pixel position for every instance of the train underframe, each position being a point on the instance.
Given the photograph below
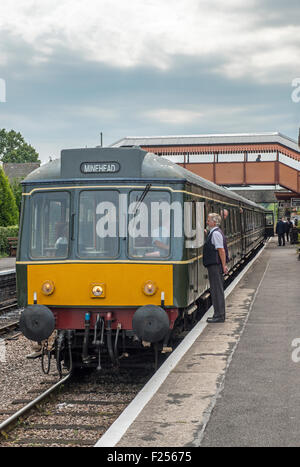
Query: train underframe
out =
(103, 338)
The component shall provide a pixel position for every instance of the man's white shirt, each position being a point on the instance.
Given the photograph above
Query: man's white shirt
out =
(216, 238)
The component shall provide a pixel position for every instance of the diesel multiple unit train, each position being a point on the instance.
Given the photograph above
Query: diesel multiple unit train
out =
(110, 250)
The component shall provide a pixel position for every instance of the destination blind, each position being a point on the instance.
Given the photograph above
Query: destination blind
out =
(99, 167)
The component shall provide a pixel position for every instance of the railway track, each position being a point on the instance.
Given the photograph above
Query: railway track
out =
(8, 305)
(9, 316)
(72, 412)
(8, 302)
(15, 417)
(9, 327)
(7, 286)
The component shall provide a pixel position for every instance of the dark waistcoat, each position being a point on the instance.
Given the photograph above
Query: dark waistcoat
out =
(210, 254)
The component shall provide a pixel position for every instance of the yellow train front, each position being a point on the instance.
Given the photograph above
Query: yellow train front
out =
(110, 250)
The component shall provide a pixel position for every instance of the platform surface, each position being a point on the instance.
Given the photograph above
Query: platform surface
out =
(239, 383)
(7, 263)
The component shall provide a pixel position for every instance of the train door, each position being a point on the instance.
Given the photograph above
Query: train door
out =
(203, 282)
(200, 226)
(194, 216)
(239, 234)
(269, 224)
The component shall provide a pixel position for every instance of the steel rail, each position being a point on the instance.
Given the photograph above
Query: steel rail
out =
(8, 327)
(31, 404)
(6, 305)
(3, 309)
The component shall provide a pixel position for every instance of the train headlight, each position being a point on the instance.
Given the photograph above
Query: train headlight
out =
(48, 287)
(149, 288)
(97, 291)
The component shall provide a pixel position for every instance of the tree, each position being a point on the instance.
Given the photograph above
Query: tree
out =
(8, 209)
(14, 149)
(16, 188)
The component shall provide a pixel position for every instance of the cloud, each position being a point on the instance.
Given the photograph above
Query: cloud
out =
(153, 33)
(73, 70)
(203, 113)
(173, 116)
(67, 102)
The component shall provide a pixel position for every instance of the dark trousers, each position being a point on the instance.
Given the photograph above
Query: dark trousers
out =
(281, 237)
(216, 282)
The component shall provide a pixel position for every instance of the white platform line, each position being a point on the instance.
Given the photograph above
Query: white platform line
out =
(7, 271)
(113, 435)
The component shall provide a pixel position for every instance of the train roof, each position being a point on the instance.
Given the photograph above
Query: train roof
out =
(119, 164)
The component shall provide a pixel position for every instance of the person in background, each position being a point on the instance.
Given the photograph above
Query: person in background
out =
(224, 213)
(288, 227)
(160, 240)
(61, 244)
(280, 230)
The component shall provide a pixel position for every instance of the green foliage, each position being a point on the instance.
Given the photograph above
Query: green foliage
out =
(8, 209)
(14, 149)
(11, 231)
(17, 191)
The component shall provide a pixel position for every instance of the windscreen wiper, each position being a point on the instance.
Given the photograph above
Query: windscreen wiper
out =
(141, 198)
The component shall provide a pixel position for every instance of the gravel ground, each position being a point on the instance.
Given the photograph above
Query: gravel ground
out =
(77, 415)
(9, 317)
(18, 375)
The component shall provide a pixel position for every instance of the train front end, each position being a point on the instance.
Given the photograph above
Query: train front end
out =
(92, 281)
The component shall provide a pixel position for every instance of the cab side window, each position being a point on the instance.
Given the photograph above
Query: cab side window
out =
(50, 213)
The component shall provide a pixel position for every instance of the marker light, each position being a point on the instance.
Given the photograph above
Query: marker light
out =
(97, 291)
(149, 288)
(48, 287)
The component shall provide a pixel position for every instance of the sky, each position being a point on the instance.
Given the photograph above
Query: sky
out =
(71, 69)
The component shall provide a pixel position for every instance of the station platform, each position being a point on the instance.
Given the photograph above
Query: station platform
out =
(7, 263)
(239, 383)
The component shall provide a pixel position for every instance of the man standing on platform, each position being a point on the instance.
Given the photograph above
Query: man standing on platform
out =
(288, 228)
(280, 230)
(215, 256)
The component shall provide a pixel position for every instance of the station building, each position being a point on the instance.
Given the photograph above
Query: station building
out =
(245, 162)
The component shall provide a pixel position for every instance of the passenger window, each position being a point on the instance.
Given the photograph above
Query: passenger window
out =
(234, 221)
(229, 224)
(225, 224)
(231, 229)
(269, 219)
(194, 225)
